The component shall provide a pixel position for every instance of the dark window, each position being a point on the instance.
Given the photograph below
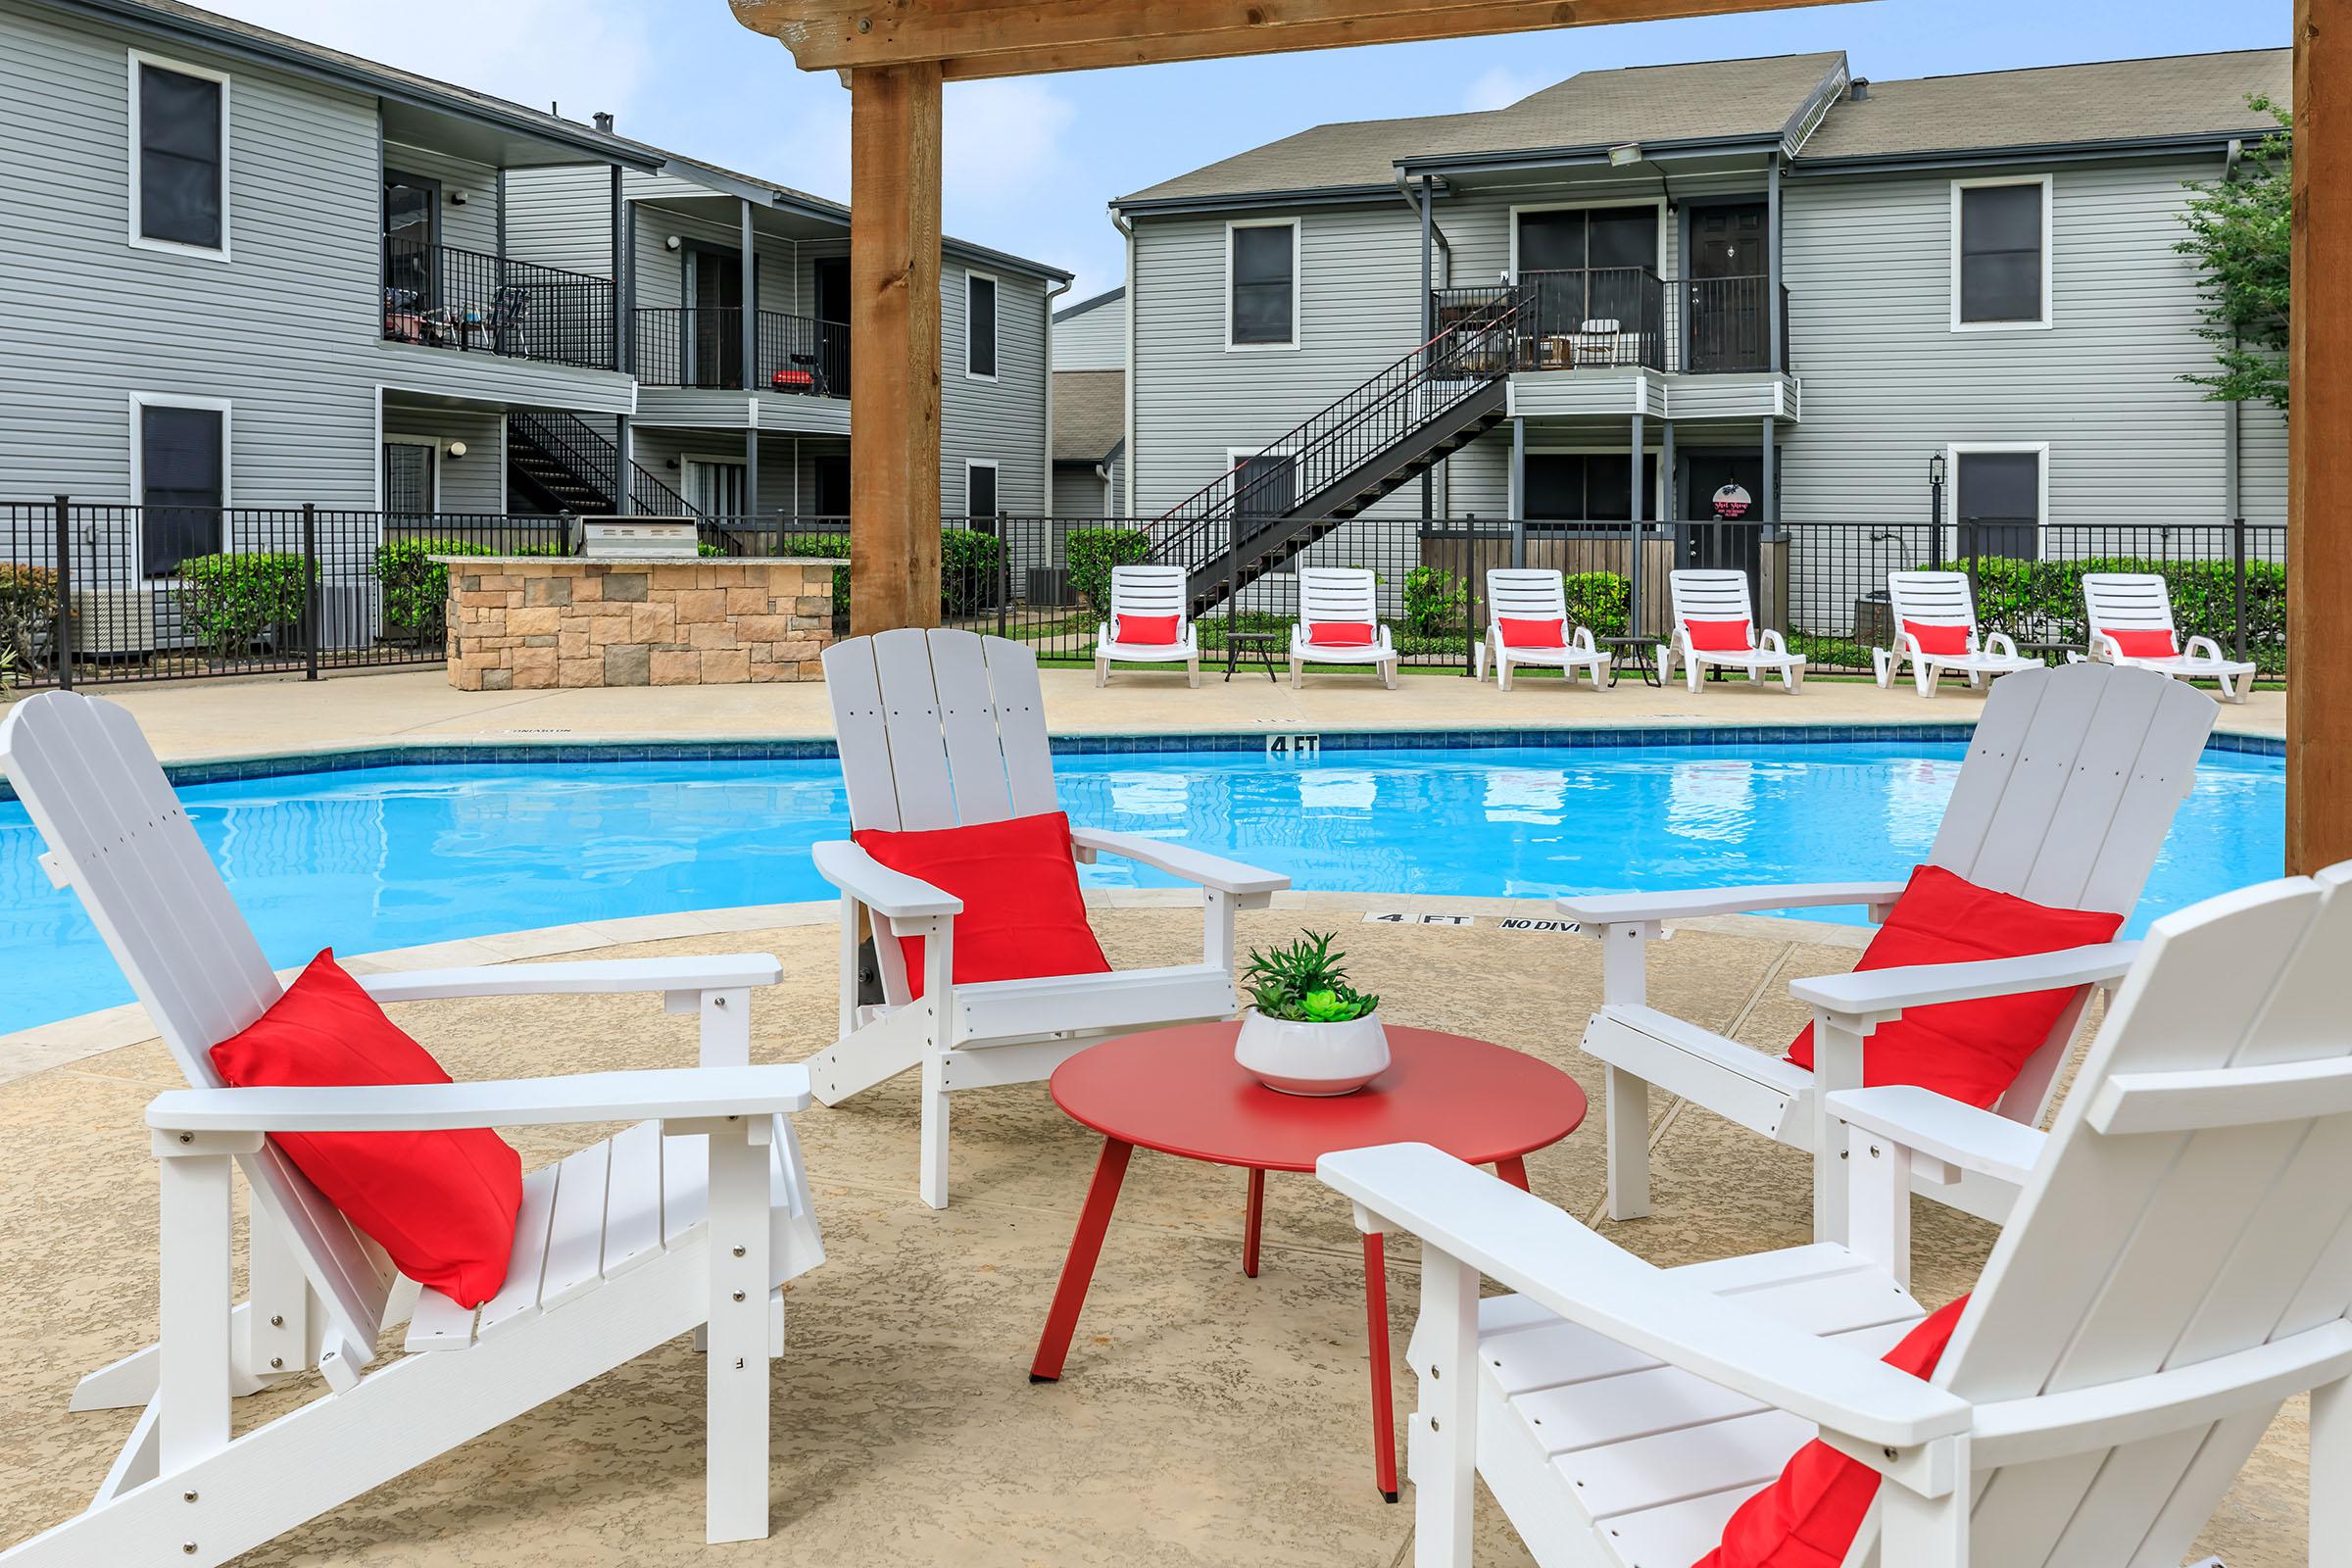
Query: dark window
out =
(980, 325)
(179, 158)
(1588, 487)
(412, 233)
(182, 469)
(2000, 253)
(832, 498)
(409, 477)
(1588, 264)
(1999, 503)
(1264, 277)
(979, 491)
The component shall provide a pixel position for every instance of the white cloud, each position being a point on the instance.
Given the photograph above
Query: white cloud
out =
(1499, 87)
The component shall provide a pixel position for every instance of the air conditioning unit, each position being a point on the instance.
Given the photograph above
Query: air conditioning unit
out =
(128, 622)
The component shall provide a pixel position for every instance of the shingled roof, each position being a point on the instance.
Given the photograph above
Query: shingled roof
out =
(1090, 414)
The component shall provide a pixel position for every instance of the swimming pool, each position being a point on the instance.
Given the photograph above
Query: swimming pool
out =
(395, 856)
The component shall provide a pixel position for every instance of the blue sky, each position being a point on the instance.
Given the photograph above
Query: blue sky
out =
(1030, 163)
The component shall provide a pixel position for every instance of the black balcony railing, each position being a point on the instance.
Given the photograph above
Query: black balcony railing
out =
(1630, 318)
(445, 297)
(702, 346)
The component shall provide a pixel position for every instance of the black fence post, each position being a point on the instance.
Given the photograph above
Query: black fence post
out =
(2237, 559)
(65, 594)
(309, 590)
(1003, 569)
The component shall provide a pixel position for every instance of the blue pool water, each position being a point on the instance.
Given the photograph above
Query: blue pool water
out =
(388, 857)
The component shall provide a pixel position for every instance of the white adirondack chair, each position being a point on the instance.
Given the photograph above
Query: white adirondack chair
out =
(2070, 784)
(1713, 594)
(1530, 594)
(942, 729)
(613, 1248)
(2176, 1268)
(1148, 591)
(2134, 601)
(1941, 599)
(1348, 596)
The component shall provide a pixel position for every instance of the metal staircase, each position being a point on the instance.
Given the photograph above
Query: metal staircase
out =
(560, 463)
(1384, 434)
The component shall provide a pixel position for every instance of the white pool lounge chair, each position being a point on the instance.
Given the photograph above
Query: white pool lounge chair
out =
(2175, 1272)
(2140, 604)
(1722, 597)
(1342, 596)
(1153, 591)
(1941, 600)
(1528, 593)
(945, 728)
(2070, 782)
(613, 1249)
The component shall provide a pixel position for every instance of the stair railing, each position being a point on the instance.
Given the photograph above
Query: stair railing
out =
(593, 458)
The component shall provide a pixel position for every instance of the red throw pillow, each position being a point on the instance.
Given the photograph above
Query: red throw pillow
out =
(1969, 1051)
(1533, 633)
(2142, 644)
(1146, 630)
(1720, 636)
(1022, 913)
(1340, 633)
(1809, 1517)
(1932, 639)
(441, 1203)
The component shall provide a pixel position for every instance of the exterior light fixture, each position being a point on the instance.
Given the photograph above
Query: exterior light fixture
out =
(456, 449)
(1629, 153)
(672, 243)
(1936, 469)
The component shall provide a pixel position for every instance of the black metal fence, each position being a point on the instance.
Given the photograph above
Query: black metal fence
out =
(445, 297)
(702, 346)
(1624, 316)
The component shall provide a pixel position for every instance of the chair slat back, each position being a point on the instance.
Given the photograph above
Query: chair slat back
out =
(2126, 600)
(1710, 595)
(1148, 591)
(122, 842)
(1525, 593)
(2132, 1251)
(1338, 594)
(939, 728)
(1931, 598)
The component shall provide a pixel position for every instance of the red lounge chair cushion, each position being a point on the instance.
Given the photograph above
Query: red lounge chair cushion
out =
(1932, 639)
(1340, 633)
(1022, 914)
(1157, 631)
(2142, 644)
(441, 1203)
(1533, 633)
(1969, 1051)
(1809, 1517)
(1720, 636)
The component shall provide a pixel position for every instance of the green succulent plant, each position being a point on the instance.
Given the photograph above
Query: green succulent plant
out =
(1302, 982)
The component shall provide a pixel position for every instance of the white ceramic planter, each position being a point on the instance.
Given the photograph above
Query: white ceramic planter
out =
(1312, 1059)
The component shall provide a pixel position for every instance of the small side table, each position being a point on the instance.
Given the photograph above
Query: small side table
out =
(1635, 651)
(1181, 1093)
(1263, 643)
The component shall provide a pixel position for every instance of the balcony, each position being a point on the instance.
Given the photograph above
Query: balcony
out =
(702, 346)
(443, 297)
(1625, 318)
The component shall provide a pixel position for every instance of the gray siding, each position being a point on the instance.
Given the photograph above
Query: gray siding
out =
(562, 217)
(475, 483)
(1094, 341)
(1005, 419)
(1079, 493)
(471, 225)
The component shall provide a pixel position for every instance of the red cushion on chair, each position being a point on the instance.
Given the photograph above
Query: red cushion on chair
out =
(1340, 633)
(2142, 644)
(1533, 633)
(1934, 639)
(1022, 916)
(1809, 1517)
(441, 1203)
(1146, 630)
(1720, 636)
(1968, 1050)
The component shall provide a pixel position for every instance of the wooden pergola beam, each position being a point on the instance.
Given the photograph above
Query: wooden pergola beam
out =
(2319, 447)
(979, 38)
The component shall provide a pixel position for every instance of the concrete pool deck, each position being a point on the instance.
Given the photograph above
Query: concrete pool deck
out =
(249, 717)
(1205, 1419)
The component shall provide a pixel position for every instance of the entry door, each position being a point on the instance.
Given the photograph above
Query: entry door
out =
(412, 237)
(833, 319)
(1725, 537)
(714, 290)
(832, 498)
(2000, 494)
(1727, 314)
(409, 477)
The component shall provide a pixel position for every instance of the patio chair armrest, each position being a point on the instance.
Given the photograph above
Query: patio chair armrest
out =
(1999, 642)
(1204, 871)
(1941, 1128)
(1771, 641)
(2213, 650)
(597, 977)
(1582, 638)
(1548, 1256)
(893, 895)
(2102, 646)
(1102, 631)
(1619, 908)
(1882, 994)
(673, 1093)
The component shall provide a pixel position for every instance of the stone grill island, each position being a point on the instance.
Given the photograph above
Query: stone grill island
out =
(535, 622)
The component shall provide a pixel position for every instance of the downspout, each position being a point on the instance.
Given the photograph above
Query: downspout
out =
(1118, 221)
(1045, 500)
(1429, 316)
(2233, 499)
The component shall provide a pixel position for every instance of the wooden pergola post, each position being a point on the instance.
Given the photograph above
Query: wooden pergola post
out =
(894, 338)
(2318, 449)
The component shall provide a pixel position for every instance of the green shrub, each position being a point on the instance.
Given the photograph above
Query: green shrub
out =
(2042, 601)
(1601, 599)
(233, 602)
(1090, 552)
(1436, 602)
(28, 613)
(416, 586)
(970, 565)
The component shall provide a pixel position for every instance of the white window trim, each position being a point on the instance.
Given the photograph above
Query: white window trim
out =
(1297, 278)
(2049, 253)
(140, 401)
(1952, 452)
(993, 466)
(139, 59)
(1665, 228)
(996, 348)
(432, 441)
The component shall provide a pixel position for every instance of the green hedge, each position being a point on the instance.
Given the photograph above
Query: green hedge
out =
(1090, 552)
(28, 613)
(233, 602)
(416, 586)
(2042, 601)
(970, 568)
(1601, 599)
(1437, 602)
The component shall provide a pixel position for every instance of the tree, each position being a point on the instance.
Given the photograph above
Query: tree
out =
(2239, 232)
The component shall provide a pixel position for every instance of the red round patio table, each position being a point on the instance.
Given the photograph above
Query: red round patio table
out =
(1180, 1091)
